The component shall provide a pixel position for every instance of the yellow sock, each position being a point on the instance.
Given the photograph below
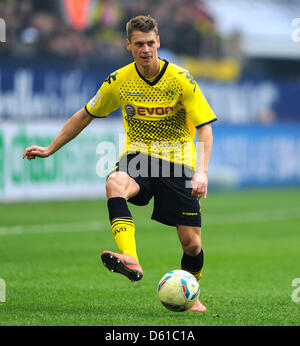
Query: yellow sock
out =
(123, 230)
(198, 275)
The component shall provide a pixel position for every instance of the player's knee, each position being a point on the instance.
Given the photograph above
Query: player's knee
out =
(115, 187)
(193, 250)
(192, 246)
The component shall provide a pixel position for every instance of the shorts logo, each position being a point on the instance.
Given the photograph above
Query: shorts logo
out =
(130, 111)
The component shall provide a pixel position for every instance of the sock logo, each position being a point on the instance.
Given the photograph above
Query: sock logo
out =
(119, 225)
(119, 230)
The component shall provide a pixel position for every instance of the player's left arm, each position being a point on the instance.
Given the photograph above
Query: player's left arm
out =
(202, 116)
(204, 147)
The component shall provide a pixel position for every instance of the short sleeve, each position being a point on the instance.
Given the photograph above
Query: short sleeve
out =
(104, 102)
(197, 107)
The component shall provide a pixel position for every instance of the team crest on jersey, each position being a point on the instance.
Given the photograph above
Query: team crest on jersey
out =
(95, 99)
(170, 93)
(130, 111)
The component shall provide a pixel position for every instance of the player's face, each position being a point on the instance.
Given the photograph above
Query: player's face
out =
(143, 46)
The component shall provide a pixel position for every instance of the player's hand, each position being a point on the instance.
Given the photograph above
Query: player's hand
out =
(199, 185)
(35, 151)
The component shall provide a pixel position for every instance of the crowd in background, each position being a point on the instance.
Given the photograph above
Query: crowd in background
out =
(37, 28)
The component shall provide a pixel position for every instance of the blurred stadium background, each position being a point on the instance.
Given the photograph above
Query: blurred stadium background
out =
(55, 55)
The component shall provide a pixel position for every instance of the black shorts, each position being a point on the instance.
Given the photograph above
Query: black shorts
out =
(168, 183)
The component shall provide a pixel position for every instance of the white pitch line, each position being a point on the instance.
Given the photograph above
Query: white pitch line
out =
(254, 216)
(94, 226)
(52, 228)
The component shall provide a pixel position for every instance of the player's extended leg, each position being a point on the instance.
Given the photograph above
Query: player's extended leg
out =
(119, 188)
(192, 259)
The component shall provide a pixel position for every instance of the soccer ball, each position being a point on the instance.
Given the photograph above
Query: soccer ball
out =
(178, 290)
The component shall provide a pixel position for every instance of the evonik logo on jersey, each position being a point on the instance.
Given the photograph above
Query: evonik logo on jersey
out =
(154, 110)
(131, 111)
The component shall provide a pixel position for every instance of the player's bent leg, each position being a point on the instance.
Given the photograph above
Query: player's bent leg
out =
(120, 184)
(119, 188)
(192, 259)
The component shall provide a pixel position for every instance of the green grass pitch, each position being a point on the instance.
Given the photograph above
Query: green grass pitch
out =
(50, 261)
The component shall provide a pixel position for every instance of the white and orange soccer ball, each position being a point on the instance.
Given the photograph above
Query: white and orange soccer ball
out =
(178, 290)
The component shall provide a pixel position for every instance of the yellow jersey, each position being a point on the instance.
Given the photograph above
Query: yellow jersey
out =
(160, 115)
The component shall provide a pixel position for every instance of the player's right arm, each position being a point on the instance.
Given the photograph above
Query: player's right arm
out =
(103, 103)
(71, 129)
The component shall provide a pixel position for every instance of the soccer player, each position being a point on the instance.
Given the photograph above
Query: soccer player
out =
(163, 108)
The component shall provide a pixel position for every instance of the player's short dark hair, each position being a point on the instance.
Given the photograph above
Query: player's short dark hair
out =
(141, 23)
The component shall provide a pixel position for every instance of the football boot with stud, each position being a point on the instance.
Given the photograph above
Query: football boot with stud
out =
(123, 264)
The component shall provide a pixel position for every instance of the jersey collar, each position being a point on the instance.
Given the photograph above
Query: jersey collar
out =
(157, 79)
